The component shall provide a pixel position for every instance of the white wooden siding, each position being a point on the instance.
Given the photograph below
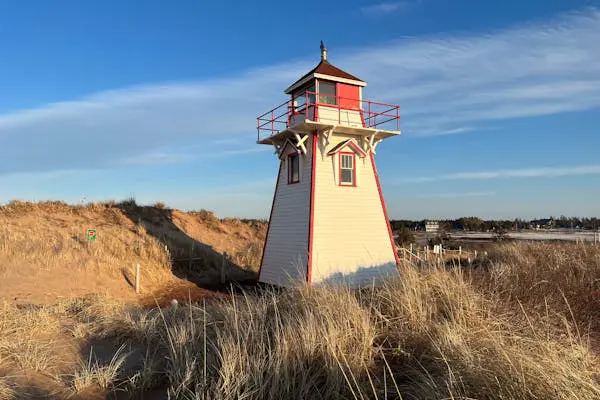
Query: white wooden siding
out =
(286, 252)
(350, 234)
(332, 115)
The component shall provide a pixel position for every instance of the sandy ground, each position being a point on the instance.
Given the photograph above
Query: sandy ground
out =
(45, 256)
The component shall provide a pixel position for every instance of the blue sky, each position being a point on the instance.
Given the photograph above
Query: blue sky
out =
(108, 99)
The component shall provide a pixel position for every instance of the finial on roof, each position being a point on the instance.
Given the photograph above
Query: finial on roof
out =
(323, 52)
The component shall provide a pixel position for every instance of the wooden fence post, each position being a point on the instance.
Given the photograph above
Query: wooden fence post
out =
(460, 250)
(137, 278)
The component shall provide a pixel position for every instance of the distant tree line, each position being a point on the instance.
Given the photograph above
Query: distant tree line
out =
(478, 224)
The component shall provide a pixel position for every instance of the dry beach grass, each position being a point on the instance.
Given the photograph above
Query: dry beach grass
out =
(520, 326)
(45, 254)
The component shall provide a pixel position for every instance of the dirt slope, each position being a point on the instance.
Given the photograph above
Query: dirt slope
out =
(45, 254)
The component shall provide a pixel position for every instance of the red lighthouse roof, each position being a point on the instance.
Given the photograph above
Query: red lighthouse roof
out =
(328, 71)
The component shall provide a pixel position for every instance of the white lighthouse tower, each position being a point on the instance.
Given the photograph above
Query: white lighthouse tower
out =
(328, 220)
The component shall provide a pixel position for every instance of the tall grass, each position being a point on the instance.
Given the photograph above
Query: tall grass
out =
(427, 335)
(52, 235)
(550, 280)
(439, 333)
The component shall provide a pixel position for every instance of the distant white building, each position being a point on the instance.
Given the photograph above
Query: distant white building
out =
(432, 226)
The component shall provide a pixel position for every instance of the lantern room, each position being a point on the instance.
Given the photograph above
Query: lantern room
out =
(324, 99)
(327, 94)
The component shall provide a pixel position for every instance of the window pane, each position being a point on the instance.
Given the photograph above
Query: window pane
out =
(347, 176)
(311, 94)
(347, 161)
(294, 168)
(327, 88)
(299, 100)
(327, 93)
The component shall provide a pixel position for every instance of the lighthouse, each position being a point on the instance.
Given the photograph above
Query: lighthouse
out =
(328, 221)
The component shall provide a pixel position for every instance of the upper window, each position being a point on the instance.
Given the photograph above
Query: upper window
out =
(327, 93)
(299, 101)
(293, 168)
(301, 96)
(347, 169)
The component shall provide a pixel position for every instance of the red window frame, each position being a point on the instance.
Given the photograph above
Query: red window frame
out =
(289, 168)
(347, 153)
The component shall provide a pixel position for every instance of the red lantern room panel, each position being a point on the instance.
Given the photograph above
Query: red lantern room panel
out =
(348, 96)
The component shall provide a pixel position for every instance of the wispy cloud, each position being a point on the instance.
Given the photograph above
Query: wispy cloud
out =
(545, 172)
(384, 8)
(446, 84)
(454, 195)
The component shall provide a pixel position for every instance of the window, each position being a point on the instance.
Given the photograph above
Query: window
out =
(293, 168)
(327, 93)
(300, 98)
(347, 169)
(299, 101)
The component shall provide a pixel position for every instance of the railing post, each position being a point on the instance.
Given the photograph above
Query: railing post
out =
(306, 106)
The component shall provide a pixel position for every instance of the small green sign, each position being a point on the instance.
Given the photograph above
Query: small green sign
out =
(91, 234)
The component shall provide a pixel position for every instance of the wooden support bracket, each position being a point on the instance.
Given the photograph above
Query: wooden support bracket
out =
(300, 142)
(372, 143)
(328, 134)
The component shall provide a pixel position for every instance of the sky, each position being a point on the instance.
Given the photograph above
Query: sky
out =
(500, 101)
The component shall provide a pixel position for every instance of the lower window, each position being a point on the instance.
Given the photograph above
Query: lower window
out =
(293, 168)
(347, 169)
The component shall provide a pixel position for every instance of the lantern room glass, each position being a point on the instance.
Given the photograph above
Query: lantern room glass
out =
(327, 93)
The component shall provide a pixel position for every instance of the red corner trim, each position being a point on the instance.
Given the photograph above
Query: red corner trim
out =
(312, 209)
(385, 214)
(262, 258)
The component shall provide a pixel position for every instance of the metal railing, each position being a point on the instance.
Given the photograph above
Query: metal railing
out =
(371, 114)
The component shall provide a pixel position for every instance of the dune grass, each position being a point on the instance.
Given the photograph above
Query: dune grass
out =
(514, 328)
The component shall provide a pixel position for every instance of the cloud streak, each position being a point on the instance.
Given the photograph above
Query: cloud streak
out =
(546, 172)
(384, 8)
(446, 84)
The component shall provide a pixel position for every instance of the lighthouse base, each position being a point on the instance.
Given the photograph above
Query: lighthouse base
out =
(364, 276)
